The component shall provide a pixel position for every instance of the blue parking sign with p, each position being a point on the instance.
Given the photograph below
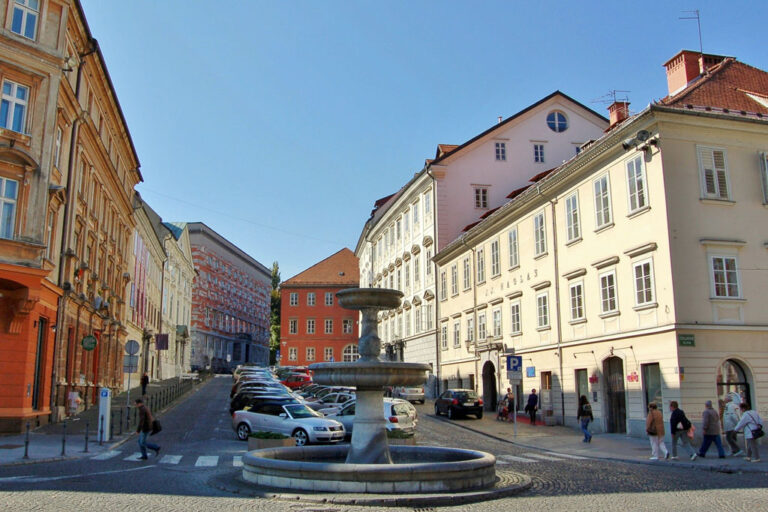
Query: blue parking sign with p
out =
(514, 363)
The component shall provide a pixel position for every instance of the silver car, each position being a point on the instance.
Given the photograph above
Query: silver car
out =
(398, 415)
(294, 420)
(412, 394)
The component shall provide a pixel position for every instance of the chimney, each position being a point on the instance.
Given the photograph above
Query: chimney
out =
(499, 120)
(681, 69)
(619, 111)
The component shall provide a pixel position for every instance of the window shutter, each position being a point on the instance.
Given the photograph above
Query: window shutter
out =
(764, 175)
(722, 184)
(708, 166)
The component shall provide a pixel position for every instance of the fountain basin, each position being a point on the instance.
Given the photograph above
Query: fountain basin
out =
(368, 374)
(415, 469)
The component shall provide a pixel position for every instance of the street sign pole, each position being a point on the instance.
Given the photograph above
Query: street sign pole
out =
(515, 409)
(132, 348)
(515, 376)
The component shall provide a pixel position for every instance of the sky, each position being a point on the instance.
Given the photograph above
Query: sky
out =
(278, 124)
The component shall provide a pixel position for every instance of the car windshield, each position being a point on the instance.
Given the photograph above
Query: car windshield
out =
(401, 409)
(301, 411)
(466, 396)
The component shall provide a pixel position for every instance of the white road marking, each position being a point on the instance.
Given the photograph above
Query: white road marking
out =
(237, 461)
(506, 459)
(568, 456)
(106, 455)
(36, 479)
(170, 459)
(543, 457)
(207, 461)
(133, 457)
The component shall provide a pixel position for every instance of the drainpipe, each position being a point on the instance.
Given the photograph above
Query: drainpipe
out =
(437, 371)
(558, 316)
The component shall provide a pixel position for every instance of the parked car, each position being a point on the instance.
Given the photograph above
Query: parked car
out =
(459, 402)
(412, 394)
(297, 380)
(295, 420)
(249, 399)
(399, 415)
(255, 384)
(331, 401)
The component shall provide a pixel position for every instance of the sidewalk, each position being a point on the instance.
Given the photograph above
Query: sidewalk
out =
(45, 443)
(617, 447)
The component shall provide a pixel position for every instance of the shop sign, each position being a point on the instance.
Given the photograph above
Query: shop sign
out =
(686, 340)
(633, 377)
(89, 342)
(530, 371)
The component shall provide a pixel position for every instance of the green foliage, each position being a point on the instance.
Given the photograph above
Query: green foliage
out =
(262, 434)
(399, 434)
(274, 317)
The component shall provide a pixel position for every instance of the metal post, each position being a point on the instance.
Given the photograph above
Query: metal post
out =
(120, 432)
(64, 438)
(111, 424)
(101, 430)
(26, 443)
(514, 409)
(86, 437)
(127, 417)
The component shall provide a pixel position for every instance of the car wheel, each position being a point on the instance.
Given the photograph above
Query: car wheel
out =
(437, 410)
(301, 436)
(243, 431)
(479, 415)
(451, 414)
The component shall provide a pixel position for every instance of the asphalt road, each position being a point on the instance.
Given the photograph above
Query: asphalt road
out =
(199, 448)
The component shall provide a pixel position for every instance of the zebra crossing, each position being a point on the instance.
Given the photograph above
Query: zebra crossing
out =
(199, 461)
(531, 458)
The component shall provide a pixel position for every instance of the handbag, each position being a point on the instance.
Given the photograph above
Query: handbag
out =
(156, 427)
(651, 432)
(691, 432)
(758, 432)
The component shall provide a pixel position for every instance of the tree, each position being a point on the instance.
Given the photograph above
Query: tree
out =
(274, 317)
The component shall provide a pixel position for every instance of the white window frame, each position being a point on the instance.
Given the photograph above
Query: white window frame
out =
(416, 270)
(540, 233)
(310, 353)
(538, 153)
(481, 198)
(443, 285)
(467, 277)
(311, 299)
(429, 316)
(347, 326)
(293, 299)
(728, 278)
(572, 217)
(645, 292)
(329, 298)
(501, 151)
(427, 205)
(514, 249)
(57, 147)
(25, 9)
(576, 300)
(310, 326)
(328, 326)
(350, 354)
(608, 292)
(8, 223)
(454, 279)
(497, 323)
(328, 354)
(293, 353)
(415, 208)
(764, 175)
(417, 327)
(480, 266)
(293, 326)
(542, 310)
(637, 190)
(515, 321)
(602, 195)
(444, 336)
(12, 101)
(495, 259)
(470, 329)
(482, 328)
(720, 177)
(456, 334)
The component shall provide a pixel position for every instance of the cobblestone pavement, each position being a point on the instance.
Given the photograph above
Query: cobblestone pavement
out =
(200, 427)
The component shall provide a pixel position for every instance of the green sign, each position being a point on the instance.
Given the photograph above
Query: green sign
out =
(89, 342)
(686, 340)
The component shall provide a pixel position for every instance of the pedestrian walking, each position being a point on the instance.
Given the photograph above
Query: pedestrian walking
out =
(680, 427)
(584, 416)
(511, 405)
(532, 406)
(752, 424)
(501, 412)
(654, 427)
(731, 417)
(710, 428)
(143, 429)
(144, 383)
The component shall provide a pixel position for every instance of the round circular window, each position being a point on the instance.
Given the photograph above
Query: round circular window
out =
(557, 121)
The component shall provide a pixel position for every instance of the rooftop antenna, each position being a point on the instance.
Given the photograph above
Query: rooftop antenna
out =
(612, 97)
(695, 15)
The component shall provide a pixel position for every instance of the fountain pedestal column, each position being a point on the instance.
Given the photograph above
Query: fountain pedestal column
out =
(369, 438)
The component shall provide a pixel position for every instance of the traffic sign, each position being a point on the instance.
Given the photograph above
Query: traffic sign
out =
(132, 347)
(514, 363)
(104, 393)
(130, 363)
(89, 342)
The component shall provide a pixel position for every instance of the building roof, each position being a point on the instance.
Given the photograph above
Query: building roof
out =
(518, 191)
(176, 228)
(542, 175)
(729, 85)
(339, 269)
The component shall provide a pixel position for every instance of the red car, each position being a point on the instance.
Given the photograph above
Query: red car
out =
(297, 380)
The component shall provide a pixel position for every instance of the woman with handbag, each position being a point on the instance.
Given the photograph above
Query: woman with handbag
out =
(144, 428)
(752, 424)
(584, 416)
(680, 428)
(654, 427)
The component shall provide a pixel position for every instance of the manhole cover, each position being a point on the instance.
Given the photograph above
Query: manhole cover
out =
(10, 446)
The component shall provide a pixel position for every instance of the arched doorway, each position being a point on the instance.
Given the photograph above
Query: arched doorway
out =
(732, 379)
(615, 397)
(489, 386)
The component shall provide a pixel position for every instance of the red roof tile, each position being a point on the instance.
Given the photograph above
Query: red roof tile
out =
(341, 268)
(542, 175)
(518, 191)
(488, 213)
(444, 149)
(470, 226)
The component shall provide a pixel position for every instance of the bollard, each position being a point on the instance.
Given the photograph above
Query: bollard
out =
(64, 438)
(86, 437)
(111, 424)
(101, 430)
(120, 432)
(127, 417)
(26, 443)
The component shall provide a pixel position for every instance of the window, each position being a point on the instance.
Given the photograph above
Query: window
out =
(480, 266)
(293, 354)
(328, 326)
(399, 281)
(764, 175)
(407, 321)
(454, 279)
(577, 301)
(398, 233)
(346, 326)
(293, 326)
(582, 386)
(57, 147)
(443, 286)
(651, 383)
(501, 151)
(311, 326)
(714, 173)
(415, 209)
(407, 270)
(495, 259)
(572, 217)
(416, 270)
(481, 197)
(417, 320)
(294, 299)
(428, 266)
(429, 317)
(557, 121)
(538, 153)
(470, 329)
(25, 14)
(608, 292)
(539, 234)
(444, 336)
(725, 276)
(602, 202)
(456, 334)
(328, 354)
(643, 272)
(329, 298)
(467, 274)
(13, 106)
(310, 353)
(350, 353)
(636, 183)
(427, 204)
(514, 318)
(481, 330)
(9, 190)
(311, 299)
(514, 257)
(542, 310)
(497, 323)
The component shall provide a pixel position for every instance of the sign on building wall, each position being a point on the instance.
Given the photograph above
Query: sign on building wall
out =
(89, 342)
(686, 340)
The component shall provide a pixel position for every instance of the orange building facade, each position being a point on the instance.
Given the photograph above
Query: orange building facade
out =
(313, 326)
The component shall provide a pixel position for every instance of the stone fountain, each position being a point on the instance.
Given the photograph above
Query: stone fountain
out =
(369, 464)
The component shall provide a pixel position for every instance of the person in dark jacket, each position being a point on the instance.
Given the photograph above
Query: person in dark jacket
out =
(532, 405)
(144, 383)
(710, 428)
(143, 429)
(679, 425)
(584, 416)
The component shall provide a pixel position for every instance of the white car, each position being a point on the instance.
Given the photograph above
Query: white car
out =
(331, 401)
(294, 420)
(399, 415)
(409, 393)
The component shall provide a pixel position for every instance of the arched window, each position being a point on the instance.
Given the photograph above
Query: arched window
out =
(732, 379)
(350, 353)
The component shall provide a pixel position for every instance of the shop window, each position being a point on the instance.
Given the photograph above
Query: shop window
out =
(733, 380)
(652, 385)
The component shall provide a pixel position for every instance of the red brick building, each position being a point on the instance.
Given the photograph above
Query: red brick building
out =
(313, 326)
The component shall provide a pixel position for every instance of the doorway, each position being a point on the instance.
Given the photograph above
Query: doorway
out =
(489, 386)
(615, 397)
